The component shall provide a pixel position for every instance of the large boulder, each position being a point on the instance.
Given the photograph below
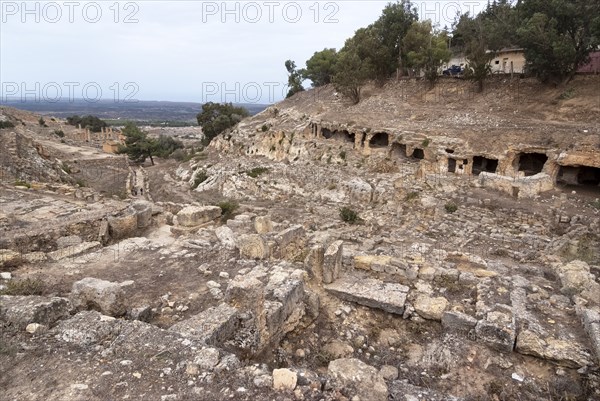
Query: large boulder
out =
(143, 211)
(498, 330)
(430, 308)
(226, 236)
(101, 295)
(192, 216)
(576, 278)
(568, 353)
(20, 311)
(252, 246)
(263, 224)
(284, 379)
(353, 378)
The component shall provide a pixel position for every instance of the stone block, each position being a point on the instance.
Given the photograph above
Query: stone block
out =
(20, 311)
(101, 295)
(192, 216)
(332, 262)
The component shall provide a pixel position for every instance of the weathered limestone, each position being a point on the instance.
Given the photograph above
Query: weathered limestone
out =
(284, 305)
(291, 243)
(458, 322)
(567, 353)
(87, 328)
(355, 378)
(314, 262)
(371, 292)
(263, 224)
(430, 308)
(371, 262)
(226, 236)
(7, 256)
(93, 293)
(71, 240)
(143, 211)
(192, 216)
(21, 311)
(104, 232)
(248, 293)
(252, 246)
(123, 226)
(284, 379)
(497, 330)
(338, 349)
(576, 278)
(332, 262)
(73, 251)
(591, 323)
(213, 326)
(519, 187)
(206, 359)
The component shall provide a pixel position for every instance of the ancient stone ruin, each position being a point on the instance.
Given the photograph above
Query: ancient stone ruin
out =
(391, 250)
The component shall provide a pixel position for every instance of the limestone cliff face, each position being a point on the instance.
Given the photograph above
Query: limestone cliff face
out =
(402, 123)
(24, 159)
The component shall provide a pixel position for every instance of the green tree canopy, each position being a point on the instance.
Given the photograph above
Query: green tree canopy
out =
(475, 42)
(321, 67)
(92, 122)
(138, 147)
(558, 36)
(165, 145)
(351, 73)
(294, 78)
(391, 27)
(427, 50)
(215, 118)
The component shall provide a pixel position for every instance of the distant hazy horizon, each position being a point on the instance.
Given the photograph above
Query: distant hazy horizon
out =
(183, 51)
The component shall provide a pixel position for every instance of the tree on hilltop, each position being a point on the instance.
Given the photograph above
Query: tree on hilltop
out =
(295, 78)
(427, 49)
(321, 67)
(215, 118)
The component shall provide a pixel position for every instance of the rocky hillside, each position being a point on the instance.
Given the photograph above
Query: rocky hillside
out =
(402, 248)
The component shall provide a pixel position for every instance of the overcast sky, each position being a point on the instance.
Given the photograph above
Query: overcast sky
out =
(176, 50)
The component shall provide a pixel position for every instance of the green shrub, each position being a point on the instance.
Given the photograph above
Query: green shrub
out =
(451, 207)
(66, 168)
(201, 176)
(349, 216)
(42, 122)
(6, 124)
(568, 94)
(80, 183)
(595, 204)
(425, 143)
(342, 155)
(227, 209)
(59, 133)
(93, 123)
(264, 128)
(28, 286)
(255, 172)
(166, 145)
